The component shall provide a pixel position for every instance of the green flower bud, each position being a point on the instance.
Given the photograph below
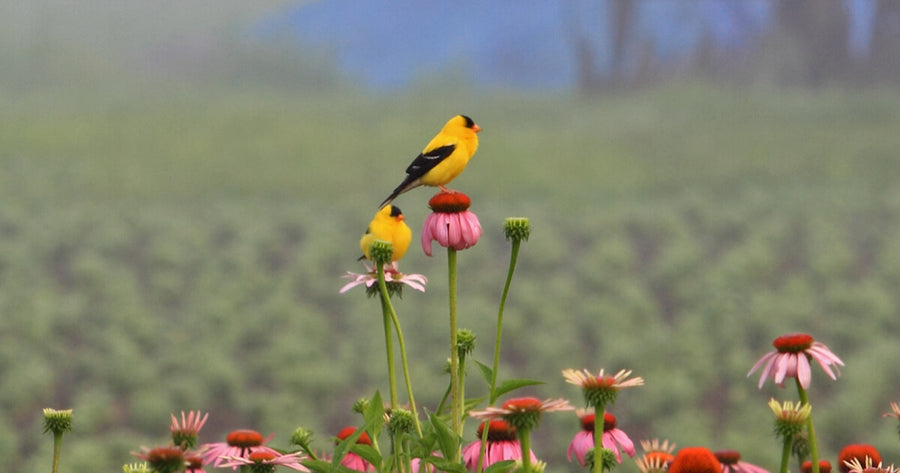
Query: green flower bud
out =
(57, 421)
(517, 229)
(381, 252)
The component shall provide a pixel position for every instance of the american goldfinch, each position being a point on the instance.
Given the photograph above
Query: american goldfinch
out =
(387, 225)
(443, 158)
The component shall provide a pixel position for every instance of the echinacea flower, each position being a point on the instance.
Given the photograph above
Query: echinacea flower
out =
(895, 411)
(238, 443)
(731, 463)
(789, 417)
(695, 460)
(523, 413)
(451, 223)
(194, 463)
(393, 278)
(184, 433)
(266, 461)
(501, 445)
(791, 358)
(824, 466)
(601, 389)
(614, 439)
(855, 466)
(163, 459)
(862, 453)
(57, 421)
(657, 456)
(352, 460)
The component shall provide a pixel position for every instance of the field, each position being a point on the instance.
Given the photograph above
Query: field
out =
(182, 248)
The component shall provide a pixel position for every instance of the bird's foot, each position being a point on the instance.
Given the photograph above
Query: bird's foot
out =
(446, 190)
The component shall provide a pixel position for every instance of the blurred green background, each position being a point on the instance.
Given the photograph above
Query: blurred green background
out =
(174, 228)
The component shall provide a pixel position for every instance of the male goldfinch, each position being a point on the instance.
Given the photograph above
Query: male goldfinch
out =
(387, 225)
(443, 158)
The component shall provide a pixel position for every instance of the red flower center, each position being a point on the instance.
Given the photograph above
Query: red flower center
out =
(348, 431)
(194, 462)
(728, 457)
(498, 430)
(793, 343)
(609, 422)
(824, 467)
(695, 460)
(449, 202)
(244, 438)
(859, 452)
(523, 404)
(260, 457)
(164, 454)
(659, 458)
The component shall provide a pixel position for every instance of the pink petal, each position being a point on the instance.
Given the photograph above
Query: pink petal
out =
(804, 374)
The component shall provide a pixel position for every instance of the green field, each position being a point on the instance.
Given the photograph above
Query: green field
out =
(182, 247)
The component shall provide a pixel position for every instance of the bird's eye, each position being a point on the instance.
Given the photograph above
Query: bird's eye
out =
(395, 211)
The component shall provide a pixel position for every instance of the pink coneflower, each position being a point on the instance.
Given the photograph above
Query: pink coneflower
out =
(184, 433)
(451, 223)
(613, 439)
(523, 413)
(393, 278)
(824, 466)
(657, 456)
(194, 463)
(239, 443)
(731, 463)
(791, 360)
(601, 389)
(869, 466)
(163, 459)
(289, 460)
(859, 452)
(502, 445)
(352, 460)
(695, 460)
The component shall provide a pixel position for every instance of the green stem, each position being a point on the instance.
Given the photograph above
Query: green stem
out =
(810, 430)
(599, 414)
(514, 256)
(57, 448)
(525, 441)
(462, 391)
(786, 453)
(405, 365)
(386, 310)
(454, 354)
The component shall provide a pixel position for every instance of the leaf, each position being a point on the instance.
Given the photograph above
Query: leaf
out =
(447, 439)
(442, 464)
(512, 385)
(500, 467)
(486, 372)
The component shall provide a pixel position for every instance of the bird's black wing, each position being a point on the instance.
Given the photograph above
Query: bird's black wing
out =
(423, 163)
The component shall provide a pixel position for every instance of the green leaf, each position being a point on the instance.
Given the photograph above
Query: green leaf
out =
(442, 464)
(500, 467)
(447, 439)
(486, 371)
(512, 385)
(367, 452)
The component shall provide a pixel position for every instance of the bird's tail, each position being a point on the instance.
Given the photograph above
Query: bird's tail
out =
(403, 187)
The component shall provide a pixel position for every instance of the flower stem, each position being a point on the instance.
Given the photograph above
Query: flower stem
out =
(525, 441)
(405, 365)
(786, 453)
(454, 353)
(57, 448)
(810, 430)
(513, 257)
(386, 310)
(599, 415)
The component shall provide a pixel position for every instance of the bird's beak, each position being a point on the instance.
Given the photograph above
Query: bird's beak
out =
(476, 128)
(401, 218)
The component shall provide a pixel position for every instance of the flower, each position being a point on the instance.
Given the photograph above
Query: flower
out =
(194, 463)
(57, 421)
(502, 445)
(613, 439)
(601, 389)
(731, 463)
(136, 468)
(266, 459)
(695, 460)
(656, 457)
(863, 454)
(451, 223)
(238, 443)
(393, 278)
(824, 466)
(163, 459)
(790, 418)
(352, 460)
(184, 433)
(868, 466)
(523, 413)
(791, 360)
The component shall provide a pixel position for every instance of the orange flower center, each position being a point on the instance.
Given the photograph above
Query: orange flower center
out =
(695, 460)
(824, 467)
(244, 438)
(793, 343)
(498, 430)
(260, 457)
(728, 457)
(449, 202)
(859, 452)
(523, 404)
(609, 422)
(348, 431)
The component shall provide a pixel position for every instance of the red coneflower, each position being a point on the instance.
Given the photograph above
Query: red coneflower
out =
(352, 460)
(238, 443)
(614, 439)
(791, 358)
(451, 223)
(502, 445)
(695, 460)
(731, 463)
(859, 452)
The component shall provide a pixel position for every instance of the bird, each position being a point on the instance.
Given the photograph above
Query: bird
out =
(387, 225)
(442, 159)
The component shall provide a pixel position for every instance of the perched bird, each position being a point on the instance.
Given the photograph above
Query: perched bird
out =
(387, 225)
(443, 158)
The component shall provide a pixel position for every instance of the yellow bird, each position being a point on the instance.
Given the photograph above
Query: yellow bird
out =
(387, 225)
(443, 158)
